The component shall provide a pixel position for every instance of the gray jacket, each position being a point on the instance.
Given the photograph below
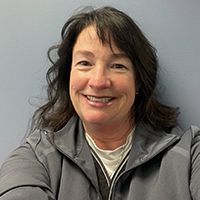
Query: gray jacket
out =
(60, 166)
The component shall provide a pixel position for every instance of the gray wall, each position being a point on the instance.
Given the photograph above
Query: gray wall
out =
(29, 27)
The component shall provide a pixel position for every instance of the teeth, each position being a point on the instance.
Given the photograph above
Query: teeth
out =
(99, 99)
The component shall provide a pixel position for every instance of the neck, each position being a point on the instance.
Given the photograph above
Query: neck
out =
(109, 137)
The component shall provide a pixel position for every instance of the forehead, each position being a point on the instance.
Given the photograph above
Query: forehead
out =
(89, 38)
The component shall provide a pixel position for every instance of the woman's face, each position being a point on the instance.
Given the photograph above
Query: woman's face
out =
(102, 81)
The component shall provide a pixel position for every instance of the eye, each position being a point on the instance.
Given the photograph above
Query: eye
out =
(118, 66)
(84, 63)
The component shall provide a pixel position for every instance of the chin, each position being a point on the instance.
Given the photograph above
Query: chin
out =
(95, 120)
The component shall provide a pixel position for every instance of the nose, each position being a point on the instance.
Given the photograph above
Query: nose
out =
(99, 78)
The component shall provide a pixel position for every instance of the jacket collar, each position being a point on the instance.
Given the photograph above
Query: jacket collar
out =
(147, 143)
(70, 141)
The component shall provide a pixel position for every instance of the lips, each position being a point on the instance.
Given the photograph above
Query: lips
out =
(99, 99)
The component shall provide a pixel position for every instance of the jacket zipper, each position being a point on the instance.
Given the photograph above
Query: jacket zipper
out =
(115, 177)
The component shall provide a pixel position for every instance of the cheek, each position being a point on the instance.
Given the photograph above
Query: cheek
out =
(72, 84)
(126, 86)
(76, 83)
(73, 89)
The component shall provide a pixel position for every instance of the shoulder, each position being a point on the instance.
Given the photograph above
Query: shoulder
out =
(191, 136)
(193, 133)
(35, 163)
(22, 168)
(188, 138)
(187, 144)
(47, 143)
(41, 143)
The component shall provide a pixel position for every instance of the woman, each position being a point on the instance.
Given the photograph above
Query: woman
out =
(103, 134)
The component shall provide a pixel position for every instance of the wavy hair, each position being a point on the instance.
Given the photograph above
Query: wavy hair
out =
(110, 24)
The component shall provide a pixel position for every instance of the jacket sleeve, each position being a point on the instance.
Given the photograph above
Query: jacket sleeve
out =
(24, 193)
(195, 164)
(23, 176)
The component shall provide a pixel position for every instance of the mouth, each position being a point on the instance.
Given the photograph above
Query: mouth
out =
(99, 99)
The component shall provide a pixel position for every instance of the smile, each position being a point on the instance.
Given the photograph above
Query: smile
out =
(99, 99)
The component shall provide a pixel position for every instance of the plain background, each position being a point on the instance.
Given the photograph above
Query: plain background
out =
(29, 27)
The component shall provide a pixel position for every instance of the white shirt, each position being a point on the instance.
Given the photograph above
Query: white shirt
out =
(111, 159)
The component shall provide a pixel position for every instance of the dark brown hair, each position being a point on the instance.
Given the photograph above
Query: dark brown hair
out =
(110, 24)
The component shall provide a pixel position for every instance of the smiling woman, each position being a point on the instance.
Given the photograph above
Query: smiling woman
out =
(102, 133)
(100, 89)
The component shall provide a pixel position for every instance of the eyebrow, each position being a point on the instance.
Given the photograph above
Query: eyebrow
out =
(119, 55)
(90, 54)
(84, 53)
